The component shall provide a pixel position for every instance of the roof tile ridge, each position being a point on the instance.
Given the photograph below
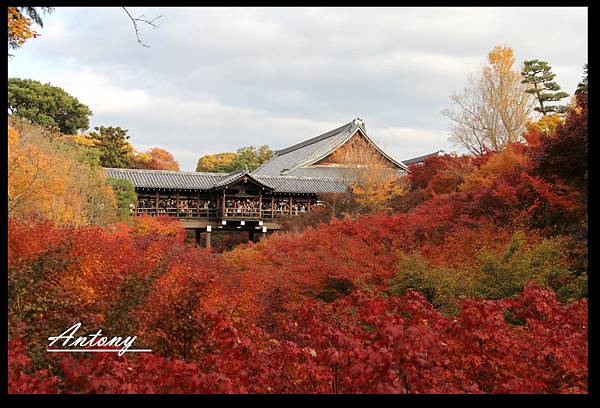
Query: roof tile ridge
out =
(164, 171)
(305, 162)
(299, 177)
(313, 140)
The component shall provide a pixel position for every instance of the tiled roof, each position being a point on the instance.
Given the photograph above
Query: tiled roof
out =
(167, 178)
(318, 171)
(206, 181)
(421, 158)
(287, 161)
(229, 178)
(287, 184)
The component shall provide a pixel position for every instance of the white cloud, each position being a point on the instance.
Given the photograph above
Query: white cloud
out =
(102, 95)
(215, 79)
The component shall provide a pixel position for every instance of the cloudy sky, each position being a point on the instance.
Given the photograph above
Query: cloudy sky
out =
(215, 79)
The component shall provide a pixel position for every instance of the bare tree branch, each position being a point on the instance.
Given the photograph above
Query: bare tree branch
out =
(141, 19)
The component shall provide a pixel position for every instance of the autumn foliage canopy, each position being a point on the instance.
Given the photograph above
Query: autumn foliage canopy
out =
(471, 281)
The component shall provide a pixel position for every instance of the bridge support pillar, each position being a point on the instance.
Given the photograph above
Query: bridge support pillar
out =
(208, 234)
(251, 235)
(198, 236)
(263, 233)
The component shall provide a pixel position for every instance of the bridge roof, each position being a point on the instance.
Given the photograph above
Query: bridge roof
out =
(185, 180)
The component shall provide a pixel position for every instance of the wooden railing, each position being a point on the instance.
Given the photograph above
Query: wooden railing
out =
(268, 213)
(242, 212)
(178, 213)
(211, 213)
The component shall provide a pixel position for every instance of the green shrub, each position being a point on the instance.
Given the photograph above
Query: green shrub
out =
(125, 196)
(505, 274)
(493, 275)
(443, 286)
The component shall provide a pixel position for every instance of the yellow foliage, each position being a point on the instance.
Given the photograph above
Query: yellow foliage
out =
(374, 190)
(47, 179)
(500, 162)
(219, 162)
(547, 124)
(572, 105)
(501, 59)
(372, 179)
(19, 27)
(81, 140)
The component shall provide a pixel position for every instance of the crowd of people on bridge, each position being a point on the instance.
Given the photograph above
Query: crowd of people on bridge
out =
(283, 207)
(193, 207)
(238, 207)
(171, 206)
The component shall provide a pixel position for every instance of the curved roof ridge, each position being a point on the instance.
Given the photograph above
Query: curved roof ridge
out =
(238, 175)
(296, 177)
(314, 139)
(320, 154)
(164, 171)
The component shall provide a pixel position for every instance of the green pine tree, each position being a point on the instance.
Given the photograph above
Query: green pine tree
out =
(125, 195)
(111, 142)
(47, 105)
(582, 87)
(539, 75)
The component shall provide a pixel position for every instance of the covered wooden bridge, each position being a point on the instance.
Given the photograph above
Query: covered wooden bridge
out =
(286, 185)
(239, 201)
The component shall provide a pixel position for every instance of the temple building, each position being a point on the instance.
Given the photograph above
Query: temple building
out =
(322, 156)
(287, 185)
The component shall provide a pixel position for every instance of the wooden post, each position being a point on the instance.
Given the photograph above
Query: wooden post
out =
(177, 205)
(308, 209)
(260, 204)
(251, 235)
(198, 237)
(198, 205)
(157, 197)
(263, 233)
(290, 205)
(135, 205)
(223, 209)
(208, 233)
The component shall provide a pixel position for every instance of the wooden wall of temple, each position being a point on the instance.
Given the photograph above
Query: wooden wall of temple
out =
(356, 151)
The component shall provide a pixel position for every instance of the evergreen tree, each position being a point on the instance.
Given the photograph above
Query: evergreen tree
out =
(582, 87)
(539, 75)
(115, 150)
(125, 195)
(47, 105)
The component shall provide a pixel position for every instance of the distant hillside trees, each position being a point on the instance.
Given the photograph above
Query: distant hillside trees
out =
(108, 146)
(249, 157)
(154, 159)
(216, 163)
(47, 105)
